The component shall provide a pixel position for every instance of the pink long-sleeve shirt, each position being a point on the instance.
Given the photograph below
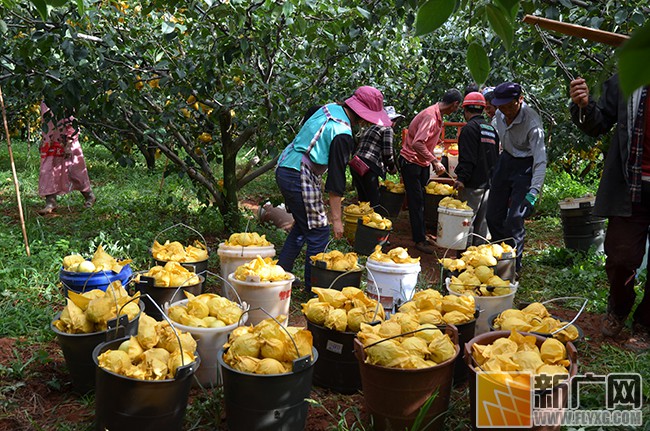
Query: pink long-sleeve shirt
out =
(423, 135)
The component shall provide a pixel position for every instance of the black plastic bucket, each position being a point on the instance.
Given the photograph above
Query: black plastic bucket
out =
(337, 367)
(266, 402)
(390, 203)
(78, 349)
(328, 278)
(162, 295)
(431, 210)
(466, 332)
(367, 238)
(506, 268)
(123, 403)
(582, 230)
(195, 267)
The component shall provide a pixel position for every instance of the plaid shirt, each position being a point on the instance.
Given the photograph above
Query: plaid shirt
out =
(634, 165)
(376, 149)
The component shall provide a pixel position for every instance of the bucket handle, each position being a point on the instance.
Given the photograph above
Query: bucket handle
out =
(227, 283)
(171, 325)
(120, 322)
(185, 226)
(584, 304)
(449, 328)
(299, 363)
(374, 316)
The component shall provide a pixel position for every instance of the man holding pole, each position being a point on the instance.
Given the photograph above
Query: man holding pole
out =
(623, 196)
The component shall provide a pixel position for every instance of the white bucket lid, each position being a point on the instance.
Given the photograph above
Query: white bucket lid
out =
(587, 200)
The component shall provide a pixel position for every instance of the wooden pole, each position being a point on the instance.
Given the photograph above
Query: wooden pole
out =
(606, 37)
(13, 170)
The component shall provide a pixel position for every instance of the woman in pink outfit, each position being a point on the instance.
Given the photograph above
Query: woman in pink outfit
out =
(63, 167)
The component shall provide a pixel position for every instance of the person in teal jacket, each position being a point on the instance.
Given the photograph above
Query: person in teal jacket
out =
(323, 144)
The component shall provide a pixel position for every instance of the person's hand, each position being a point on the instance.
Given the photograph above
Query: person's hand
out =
(337, 226)
(529, 204)
(458, 185)
(438, 167)
(579, 92)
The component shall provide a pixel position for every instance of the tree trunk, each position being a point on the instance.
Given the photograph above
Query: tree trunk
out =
(229, 207)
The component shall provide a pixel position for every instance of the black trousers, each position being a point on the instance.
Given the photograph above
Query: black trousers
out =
(415, 178)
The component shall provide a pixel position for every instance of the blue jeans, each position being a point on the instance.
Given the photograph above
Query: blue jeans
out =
(289, 183)
(505, 209)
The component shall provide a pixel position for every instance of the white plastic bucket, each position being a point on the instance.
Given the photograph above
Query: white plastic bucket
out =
(453, 228)
(395, 282)
(274, 297)
(230, 257)
(208, 343)
(488, 306)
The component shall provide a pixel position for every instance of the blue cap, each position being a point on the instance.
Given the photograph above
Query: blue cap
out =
(506, 93)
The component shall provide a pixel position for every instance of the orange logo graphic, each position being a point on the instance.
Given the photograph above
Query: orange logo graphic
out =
(504, 399)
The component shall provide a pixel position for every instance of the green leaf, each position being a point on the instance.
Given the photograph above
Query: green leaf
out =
(41, 7)
(57, 3)
(432, 15)
(501, 24)
(168, 27)
(631, 60)
(81, 6)
(3, 27)
(510, 6)
(364, 13)
(478, 62)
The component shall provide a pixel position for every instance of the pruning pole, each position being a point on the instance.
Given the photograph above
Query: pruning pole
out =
(13, 171)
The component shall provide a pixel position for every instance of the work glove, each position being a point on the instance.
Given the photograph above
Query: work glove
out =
(529, 205)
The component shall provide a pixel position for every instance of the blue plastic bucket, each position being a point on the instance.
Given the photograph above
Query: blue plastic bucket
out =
(87, 281)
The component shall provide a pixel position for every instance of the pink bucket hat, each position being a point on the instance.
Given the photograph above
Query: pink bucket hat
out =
(368, 103)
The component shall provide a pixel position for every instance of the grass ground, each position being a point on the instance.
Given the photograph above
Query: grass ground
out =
(134, 205)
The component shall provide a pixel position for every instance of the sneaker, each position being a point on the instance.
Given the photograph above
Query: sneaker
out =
(424, 247)
(640, 339)
(611, 325)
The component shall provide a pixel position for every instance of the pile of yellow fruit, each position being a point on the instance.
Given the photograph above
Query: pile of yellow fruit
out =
(394, 187)
(398, 255)
(535, 318)
(176, 252)
(171, 275)
(153, 354)
(90, 311)
(358, 210)
(435, 188)
(267, 348)
(101, 261)
(422, 349)
(376, 221)
(479, 281)
(429, 306)
(520, 353)
(342, 310)
(205, 311)
(337, 261)
(452, 203)
(261, 270)
(482, 255)
(247, 239)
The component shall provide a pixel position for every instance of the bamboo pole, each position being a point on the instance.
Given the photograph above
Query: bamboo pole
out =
(13, 171)
(606, 37)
